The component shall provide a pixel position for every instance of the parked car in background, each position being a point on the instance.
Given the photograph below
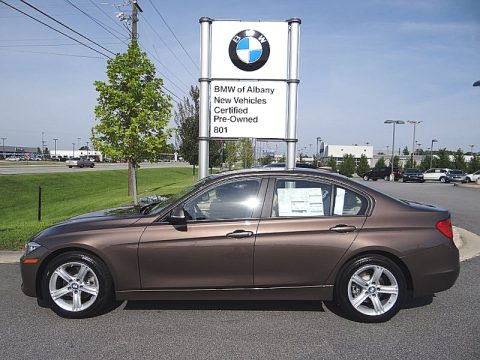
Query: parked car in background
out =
(472, 177)
(455, 175)
(437, 174)
(381, 173)
(255, 234)
(79, 162)
(414, 175)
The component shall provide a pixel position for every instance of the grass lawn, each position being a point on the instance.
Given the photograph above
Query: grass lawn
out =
(66, 194)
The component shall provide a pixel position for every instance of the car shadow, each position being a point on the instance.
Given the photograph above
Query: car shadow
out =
(244, 305)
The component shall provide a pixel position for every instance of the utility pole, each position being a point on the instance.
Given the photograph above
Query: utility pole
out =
(73, 149)
(3, 146)
(87, 147)
(135, 9)
(55, 147)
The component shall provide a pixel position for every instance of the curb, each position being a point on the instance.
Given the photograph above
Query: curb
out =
(467, 242)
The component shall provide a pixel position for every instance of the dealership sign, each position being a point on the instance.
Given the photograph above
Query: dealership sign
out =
(248, 82)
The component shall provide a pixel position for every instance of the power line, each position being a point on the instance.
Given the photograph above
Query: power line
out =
(98, 22)
(173, 33)
(166, 45)
(53, 53)
(66, 26)
(51, 27)
(105, 13)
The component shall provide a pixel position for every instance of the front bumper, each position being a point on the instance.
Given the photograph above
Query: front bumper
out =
(31, 272)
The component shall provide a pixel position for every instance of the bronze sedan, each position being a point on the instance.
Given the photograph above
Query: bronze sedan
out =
(255, 234)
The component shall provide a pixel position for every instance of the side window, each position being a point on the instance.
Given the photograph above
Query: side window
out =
(233, 200)
(301, 198)
(430, 171)
(348, 202)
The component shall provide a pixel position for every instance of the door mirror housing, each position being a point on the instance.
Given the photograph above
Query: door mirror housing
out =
(177, 217)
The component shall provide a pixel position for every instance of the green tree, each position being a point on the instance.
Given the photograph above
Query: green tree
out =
(410, 164)
(474, 164)
(363, 165)
(231, 153)
(405, 151)
(186, 118)
(425, 164)
(380, 162)
(267, 159)
(132, 111)
(396, 161)
(443, 159)
(245, 152)
(459, 160)
(347, 167)
(332, 162)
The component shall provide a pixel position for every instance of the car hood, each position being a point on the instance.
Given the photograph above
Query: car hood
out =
(104, 219)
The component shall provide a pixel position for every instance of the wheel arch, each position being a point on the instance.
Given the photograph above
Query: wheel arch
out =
(398, 261)
(53, 255)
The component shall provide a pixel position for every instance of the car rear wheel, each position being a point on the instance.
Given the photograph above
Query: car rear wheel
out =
(370, 289)
(77, 285)
(365, 177)
(443, 179)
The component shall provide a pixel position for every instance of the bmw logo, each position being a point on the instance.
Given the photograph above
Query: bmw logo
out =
(249, 50)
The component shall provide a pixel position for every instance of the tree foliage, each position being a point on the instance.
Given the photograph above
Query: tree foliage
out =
(405, 151)
(459, 160)
(132, 111)
(231, 153)
(347, 167)
(363, 165)
(332, 162)
(474, 164)
(380, 162)
(245, 152)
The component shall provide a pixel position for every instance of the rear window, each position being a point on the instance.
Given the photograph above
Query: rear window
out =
(456, 172)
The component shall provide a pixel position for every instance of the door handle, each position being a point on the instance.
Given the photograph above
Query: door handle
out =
(239, 234)
(342, 228)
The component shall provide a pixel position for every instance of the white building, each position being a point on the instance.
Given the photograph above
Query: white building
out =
(337, 151)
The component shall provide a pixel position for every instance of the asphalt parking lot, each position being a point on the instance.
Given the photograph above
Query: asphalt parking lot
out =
(443, 327)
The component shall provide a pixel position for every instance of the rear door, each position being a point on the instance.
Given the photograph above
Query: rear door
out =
(307, 225)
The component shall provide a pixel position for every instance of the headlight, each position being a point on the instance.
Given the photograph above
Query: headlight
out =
(31, 246)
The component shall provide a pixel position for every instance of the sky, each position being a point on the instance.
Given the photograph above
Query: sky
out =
(361, 62)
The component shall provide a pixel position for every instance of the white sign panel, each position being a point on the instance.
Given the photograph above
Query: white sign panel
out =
(255, 109)
(249, 50)
(300, 202)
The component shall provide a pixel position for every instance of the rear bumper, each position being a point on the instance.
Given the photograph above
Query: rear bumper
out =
(438, 273)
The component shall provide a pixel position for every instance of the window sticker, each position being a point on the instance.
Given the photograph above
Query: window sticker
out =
(339, 202)
(300, 202)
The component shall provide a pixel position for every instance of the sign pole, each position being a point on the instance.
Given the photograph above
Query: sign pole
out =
(292, 92)
(205, 39)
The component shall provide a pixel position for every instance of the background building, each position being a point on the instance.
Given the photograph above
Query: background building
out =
(326, 151)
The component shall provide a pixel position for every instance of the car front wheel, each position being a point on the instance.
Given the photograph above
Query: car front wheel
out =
(370, 289)
(77, 285)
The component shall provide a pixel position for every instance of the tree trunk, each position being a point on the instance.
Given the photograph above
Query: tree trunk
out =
(132, 181)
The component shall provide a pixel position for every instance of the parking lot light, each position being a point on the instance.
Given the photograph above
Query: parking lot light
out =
(394, 122)
(431, 152)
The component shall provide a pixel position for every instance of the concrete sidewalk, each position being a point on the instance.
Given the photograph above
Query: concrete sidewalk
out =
(466, 241)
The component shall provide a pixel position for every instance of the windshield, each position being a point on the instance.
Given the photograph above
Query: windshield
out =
(456, 172)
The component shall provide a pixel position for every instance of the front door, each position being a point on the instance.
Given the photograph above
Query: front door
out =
(214, 250)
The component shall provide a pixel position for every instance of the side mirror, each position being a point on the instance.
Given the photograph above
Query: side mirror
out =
(177, 217)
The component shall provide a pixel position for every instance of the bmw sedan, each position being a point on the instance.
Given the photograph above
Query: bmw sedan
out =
(256, 234)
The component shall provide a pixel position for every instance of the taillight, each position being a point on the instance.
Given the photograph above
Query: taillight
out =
(445, 227)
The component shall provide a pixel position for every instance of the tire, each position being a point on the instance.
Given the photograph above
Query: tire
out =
(443, 179)
(91, 166)
(365, 299)
(403, 180)
(468, 180)
(81, 166)
(89, 294)
(365, 177)
(69, 167)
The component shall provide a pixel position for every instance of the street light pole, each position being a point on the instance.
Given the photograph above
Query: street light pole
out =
(73, 149)
(55, 141)
(414, 123)
(318, 153)
(431, 152)
(87, 147)
(471, 149)
(394, 122)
